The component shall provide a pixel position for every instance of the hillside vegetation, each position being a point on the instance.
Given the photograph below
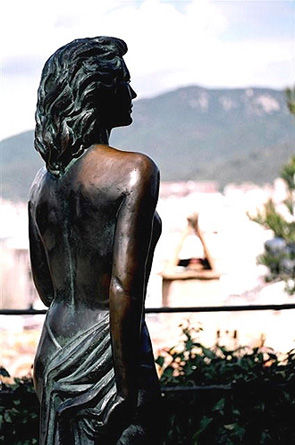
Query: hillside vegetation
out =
(226, 135)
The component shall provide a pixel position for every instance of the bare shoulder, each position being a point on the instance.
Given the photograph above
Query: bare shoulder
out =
(121, 170)
(142, 171)
(143, 163)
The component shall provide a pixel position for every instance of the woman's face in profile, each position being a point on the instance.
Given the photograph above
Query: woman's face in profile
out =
(122, 104)
(117, 107)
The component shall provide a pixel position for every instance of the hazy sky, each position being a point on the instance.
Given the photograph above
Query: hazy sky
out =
(219, 43)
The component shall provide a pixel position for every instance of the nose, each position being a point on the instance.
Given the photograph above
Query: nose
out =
(133, 93)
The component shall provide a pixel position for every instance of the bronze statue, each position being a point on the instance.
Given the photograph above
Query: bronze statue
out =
(93, 231)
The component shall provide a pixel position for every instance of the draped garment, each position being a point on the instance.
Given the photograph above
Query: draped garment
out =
(78, 384)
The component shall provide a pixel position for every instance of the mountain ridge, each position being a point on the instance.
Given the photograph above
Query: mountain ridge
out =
(226, 135)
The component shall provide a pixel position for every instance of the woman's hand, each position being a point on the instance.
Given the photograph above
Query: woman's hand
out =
(119, 414)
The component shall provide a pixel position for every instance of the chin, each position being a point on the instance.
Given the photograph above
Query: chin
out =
(123, 123)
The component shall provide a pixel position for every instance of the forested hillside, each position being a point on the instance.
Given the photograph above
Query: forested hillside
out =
(227, 135)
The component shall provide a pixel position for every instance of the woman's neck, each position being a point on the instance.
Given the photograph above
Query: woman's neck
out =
(103, 136)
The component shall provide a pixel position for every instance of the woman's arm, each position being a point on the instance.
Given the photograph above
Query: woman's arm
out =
(40, 271)
(131, 248)
(207, 252)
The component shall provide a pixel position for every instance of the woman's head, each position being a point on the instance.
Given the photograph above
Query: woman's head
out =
(79, 85)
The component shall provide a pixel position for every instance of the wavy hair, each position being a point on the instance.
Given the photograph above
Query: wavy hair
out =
(73, 80)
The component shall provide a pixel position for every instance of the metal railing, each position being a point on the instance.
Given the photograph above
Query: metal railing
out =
(181, 309)
(189, 309)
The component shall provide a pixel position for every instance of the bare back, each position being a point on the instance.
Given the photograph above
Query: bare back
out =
(73, 220)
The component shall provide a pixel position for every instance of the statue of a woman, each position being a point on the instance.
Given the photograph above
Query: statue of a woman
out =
(93, 230)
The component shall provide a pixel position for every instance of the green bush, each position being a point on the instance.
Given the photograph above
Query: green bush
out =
(281, 265)
(254, 403)
(19, 411)
(245, 396)
(280, 261)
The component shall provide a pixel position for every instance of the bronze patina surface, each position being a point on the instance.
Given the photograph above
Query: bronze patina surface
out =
(93, 230)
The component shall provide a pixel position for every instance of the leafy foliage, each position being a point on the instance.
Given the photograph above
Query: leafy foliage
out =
(252, 405)
(280, 261)
(290, 94)
(19, 411)
(271, 219)
(244, 396)
(288, 174)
